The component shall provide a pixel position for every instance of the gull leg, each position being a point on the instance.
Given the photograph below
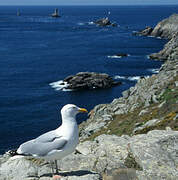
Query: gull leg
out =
(56, 166)
(56, 177)
(52, 168)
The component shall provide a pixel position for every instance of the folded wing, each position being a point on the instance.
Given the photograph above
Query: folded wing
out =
(43, 145)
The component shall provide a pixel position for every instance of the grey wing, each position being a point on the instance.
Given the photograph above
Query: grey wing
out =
(41, 147)
(47, 137)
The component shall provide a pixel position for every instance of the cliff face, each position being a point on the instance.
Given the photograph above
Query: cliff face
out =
(170, 50)
(133, 137)
(156, 95)
(168, 29)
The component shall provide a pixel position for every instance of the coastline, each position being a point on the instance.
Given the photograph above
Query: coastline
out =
(146, 93)
(133, 136)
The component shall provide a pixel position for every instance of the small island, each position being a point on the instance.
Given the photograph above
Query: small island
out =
(105, 22)
(89, 80)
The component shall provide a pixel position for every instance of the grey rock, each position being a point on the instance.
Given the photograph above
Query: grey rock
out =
(168, 128)
(105, 22)
(162, 104)
(167, 27)
(176, 117)
(89, 80)
(156, 153)
(145, 32)
(176, 83)
(126, 94)
(148, 124)
(142, 112)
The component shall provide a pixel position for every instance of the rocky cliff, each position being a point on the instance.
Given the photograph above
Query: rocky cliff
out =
(133, 137)
(167, 28)
(154, 97)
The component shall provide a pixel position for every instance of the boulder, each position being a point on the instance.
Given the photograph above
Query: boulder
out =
(89, 80)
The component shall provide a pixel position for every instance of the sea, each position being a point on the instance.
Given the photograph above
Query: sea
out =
(37, 51)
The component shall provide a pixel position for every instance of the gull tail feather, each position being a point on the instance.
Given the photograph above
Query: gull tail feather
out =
(14, 153)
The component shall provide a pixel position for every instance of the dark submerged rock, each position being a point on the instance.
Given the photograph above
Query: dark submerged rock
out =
(122, 54)
(90, 80)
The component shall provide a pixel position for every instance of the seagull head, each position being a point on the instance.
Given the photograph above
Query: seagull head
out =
(72, 110)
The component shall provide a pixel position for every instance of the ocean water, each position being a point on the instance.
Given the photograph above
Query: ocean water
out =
(37, 50)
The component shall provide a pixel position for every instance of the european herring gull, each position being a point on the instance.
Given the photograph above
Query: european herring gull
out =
(55, 144)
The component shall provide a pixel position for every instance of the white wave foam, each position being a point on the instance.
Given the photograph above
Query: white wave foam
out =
(60, 86)
(148, 57)
(130, 78)
(91, 22)
(155, 71)
(120, 77)
(134, 78)
(81, 24)
(114, 56)
(151, 36)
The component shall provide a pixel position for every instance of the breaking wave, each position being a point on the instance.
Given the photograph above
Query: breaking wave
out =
(154, 71)
(115, 56)
(129, 78)
(60, 86)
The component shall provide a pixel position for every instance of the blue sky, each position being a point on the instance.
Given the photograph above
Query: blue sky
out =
(87, 2)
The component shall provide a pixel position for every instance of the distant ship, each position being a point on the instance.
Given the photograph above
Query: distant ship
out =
(56, 13)
(18, 13)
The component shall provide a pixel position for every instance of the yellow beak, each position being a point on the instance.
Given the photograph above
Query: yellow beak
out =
(83, 110)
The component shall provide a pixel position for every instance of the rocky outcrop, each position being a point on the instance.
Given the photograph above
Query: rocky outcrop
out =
(170, 50)
(146, 92)
(164, 29)
(168, 29)
(105, 22)
(146, 156)
(145, 32)
(89, 80)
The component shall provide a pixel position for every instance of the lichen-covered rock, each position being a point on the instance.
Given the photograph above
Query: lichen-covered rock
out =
(148, 124)
(156, 153)
(149, 156)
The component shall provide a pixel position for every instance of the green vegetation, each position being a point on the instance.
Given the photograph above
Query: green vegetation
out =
(125, 123)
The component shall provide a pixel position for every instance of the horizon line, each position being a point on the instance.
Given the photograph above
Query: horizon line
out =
(87, 4)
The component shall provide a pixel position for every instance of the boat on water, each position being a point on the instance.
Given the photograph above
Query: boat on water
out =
(56, 13)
